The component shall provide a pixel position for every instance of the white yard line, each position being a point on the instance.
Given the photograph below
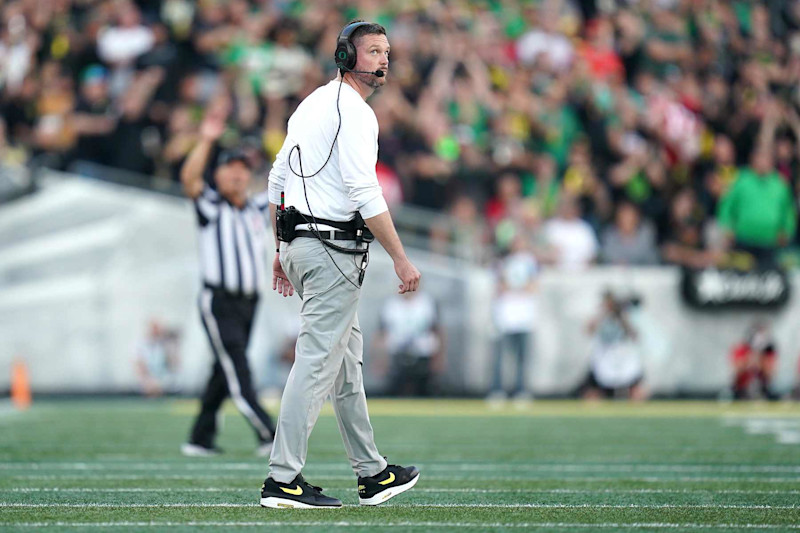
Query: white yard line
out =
(605, 506)
(341, 466)
(407, 524)
(314, 477)
(785, 431)
(415, 505)
(416, 489)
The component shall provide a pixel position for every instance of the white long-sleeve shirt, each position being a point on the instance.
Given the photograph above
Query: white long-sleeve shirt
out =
(348, 183)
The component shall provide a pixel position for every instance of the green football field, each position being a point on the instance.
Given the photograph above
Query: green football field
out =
(551, 466)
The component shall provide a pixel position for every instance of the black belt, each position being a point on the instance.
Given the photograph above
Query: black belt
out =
(327, 235)
(350, 225)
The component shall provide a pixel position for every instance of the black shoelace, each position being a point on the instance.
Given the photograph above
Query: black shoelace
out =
(314, 488)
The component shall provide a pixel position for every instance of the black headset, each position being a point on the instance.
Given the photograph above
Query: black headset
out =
(345, 55)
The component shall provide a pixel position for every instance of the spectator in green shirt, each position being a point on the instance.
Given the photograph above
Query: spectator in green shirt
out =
(758, 210)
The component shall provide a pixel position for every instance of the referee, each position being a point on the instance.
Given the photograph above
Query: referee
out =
(232, 232)
(326, 168)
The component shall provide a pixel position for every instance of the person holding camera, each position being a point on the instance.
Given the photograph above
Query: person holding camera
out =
(326, 169)
(616, 368)
(754, 360)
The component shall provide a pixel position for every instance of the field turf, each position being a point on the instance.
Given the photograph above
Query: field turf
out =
(95, 465)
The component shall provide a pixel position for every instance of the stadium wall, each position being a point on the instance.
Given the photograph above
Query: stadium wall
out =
(86, 265)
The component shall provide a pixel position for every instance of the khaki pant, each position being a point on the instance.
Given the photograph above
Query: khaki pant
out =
(328, 360)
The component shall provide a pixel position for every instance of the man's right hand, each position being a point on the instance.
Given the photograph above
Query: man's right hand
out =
(280, 281)
(212, 127)
(408, 274)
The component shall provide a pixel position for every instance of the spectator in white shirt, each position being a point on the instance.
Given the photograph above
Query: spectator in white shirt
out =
(16, 52)
(120, 45)
(288, 64)
(412, 338)
(515, 315)
(572, 237)
(546, 43)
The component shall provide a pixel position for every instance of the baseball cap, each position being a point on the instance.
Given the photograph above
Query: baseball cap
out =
(231, 155)
(94, 73)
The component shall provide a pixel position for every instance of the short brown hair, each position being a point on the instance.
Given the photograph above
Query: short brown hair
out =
(370, 28)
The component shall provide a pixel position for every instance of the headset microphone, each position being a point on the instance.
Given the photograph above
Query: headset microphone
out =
(376, 73)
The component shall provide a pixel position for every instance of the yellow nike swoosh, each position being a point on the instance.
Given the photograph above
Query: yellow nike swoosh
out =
(297, 491)
(387, 480)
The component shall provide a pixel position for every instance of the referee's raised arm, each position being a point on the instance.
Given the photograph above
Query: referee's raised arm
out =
(211, 129)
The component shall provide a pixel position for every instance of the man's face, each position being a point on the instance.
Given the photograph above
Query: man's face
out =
(372, 53)
(627, 219)
(568, 209)
(233, 179)
(95, 91)
(724, 152)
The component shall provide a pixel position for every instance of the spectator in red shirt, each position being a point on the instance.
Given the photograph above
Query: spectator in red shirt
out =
(509, 193)
(598, 51)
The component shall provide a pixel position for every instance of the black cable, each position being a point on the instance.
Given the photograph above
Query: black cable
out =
(315, 228)
(335, 137)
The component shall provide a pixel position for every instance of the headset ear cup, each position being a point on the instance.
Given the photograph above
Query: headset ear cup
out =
(341, 55)
(351, 55)
(345, 55)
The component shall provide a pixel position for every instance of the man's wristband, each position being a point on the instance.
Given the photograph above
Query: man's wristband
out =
(277, 250)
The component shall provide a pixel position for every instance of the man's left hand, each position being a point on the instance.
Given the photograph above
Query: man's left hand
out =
(280, 282)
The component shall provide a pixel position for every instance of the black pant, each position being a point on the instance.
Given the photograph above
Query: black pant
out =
(411, 375)
(228, 320)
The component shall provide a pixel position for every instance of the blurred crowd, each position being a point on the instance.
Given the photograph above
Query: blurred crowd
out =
(614, 131)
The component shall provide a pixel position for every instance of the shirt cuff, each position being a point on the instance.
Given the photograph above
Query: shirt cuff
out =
(374, 207)
(274, 197)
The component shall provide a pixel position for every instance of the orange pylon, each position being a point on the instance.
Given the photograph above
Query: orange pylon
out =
(21, 395)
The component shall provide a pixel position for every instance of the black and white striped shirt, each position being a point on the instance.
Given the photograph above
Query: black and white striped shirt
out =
(232, 243)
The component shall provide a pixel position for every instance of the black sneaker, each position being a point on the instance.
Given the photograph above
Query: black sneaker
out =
(382, 487)
(295, 495)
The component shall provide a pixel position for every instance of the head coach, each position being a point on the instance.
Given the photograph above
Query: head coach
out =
(325, 198)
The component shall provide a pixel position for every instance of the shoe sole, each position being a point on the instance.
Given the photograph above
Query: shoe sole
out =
(273, 502)
(191, 450)
(389, 493)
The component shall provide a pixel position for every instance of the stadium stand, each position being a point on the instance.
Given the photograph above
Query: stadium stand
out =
(646, 103)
